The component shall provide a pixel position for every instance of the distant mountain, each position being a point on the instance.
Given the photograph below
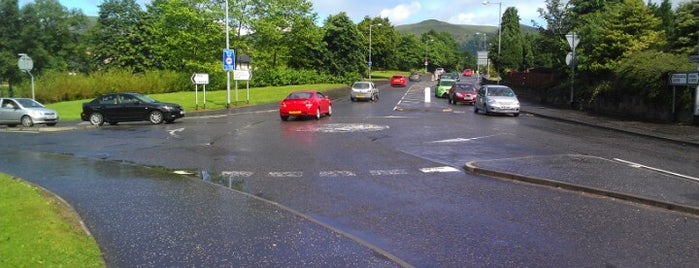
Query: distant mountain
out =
(464, 34)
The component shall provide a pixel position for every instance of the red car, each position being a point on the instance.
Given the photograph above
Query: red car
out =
(462, 93)
(305, 103)
(468, 72)
(399, 80)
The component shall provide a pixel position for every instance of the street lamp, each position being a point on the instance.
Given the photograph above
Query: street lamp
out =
(370, 63)
(426, 41)
(485, 3)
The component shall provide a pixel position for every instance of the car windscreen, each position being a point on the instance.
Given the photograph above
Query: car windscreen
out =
(300, 95)
(361, 85)
(447, 83)
(500, 91)
(145, 98)
(29, 103)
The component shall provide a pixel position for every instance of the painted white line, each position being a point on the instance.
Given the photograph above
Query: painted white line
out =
(388, 172)
(439, 169)
(462, 139)
(337, 173)
(637, 165)
(173, 132)
(237, 173)
(182, 172)
(286, 174)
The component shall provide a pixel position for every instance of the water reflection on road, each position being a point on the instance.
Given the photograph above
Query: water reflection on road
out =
(143, 216)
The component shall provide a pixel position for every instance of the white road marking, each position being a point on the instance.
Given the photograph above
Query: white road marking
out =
(388, 172)
(183, 172)
(286, 174)
(439, 169)
(173, 132)
(237, 173)
(637, 165)
(337, 173)
(343, 128)
(462, 139)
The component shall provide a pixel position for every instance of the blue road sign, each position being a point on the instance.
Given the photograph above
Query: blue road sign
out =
(228, 60)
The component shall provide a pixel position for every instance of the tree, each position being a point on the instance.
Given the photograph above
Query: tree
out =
(550, 45)
(667, 17)
(686, 38)
(345, 55)
(117, 35)
(306, 47)
(412, 52)
(385, 40)
(620, 30)
(9, 37)
(512, 52)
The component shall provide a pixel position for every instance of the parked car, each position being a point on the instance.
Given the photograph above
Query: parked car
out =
(364, 90)
(496, 99)
(305, 103)
(462, 93)
(414, 76)
(399, 80)
(467, 72)
(442, 87)
(125, 107)
(25, 111)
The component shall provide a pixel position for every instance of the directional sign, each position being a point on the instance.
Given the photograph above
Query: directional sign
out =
(228, 60)
(570, 60)
(200, 79)
(573, 40)
(678, 79)
(694, 58)
(693, 78)
(241, 75)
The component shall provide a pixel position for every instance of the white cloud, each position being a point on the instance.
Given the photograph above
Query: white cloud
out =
(401, 13)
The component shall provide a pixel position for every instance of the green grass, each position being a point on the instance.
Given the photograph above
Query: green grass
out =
(215, 100)
(40, 231)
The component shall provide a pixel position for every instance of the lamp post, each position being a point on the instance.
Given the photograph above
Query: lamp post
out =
(499, 20)
(426, 42)
(370, 63)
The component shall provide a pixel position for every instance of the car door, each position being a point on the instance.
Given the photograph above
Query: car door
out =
(480, 98)
(108, 106)
(323, 102)
(10, 112)
(131, 108)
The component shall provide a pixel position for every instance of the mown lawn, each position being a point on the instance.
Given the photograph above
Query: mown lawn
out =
(39, 230)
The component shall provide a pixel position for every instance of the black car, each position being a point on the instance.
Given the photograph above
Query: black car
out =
(122, 107)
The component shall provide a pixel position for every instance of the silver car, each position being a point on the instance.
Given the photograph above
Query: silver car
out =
(496, 99)
(25, 111)
(364, 90)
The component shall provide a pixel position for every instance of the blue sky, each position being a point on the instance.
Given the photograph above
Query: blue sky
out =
(398, 11)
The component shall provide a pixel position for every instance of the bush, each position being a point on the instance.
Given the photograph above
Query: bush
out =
(646, 75)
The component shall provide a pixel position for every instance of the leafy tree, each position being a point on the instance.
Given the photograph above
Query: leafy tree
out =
(385, 40)
(306, 47)
(550, 46)
(345, 55)
(619, 31)
(667, 17)
(9, 37)
(412, 52)
(686, 38)
(60, 33)
(118, 36)
(512, 52)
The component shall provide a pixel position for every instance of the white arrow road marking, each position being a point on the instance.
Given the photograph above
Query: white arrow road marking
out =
(173, 132)
(637, 165)
(439, 169)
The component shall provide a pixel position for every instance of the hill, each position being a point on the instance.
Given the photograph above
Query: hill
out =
(464, 34)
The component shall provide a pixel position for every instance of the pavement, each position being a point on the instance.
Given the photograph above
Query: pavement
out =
(624, 180)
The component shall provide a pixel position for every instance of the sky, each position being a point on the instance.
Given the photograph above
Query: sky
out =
(399, 12)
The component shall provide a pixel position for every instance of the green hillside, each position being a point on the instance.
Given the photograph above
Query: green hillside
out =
(463, 34)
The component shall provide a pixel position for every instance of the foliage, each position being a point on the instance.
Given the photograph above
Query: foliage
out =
(345, 54)
(511, 54)
(38, 230)
(686, 38)
(646, 74)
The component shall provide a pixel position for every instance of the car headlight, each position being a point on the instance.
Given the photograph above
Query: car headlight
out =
(491, 101)
(168, 108)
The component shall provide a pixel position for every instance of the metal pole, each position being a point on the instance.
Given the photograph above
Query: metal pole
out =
(228, 72)
(572, 76)
(370, 51)
(499, 25)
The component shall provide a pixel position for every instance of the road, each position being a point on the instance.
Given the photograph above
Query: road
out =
(387, 175)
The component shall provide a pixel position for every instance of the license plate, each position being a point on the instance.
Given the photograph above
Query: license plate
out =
(294, 112)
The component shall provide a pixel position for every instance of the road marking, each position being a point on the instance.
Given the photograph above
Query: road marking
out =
(237, 173)
(462, 139)
(286, 174)
(439, 169)
(388, 172)
(343, 128)
(337, 173)
(637, 165)
(173, 132)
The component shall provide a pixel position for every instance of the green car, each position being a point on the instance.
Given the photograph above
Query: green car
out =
(442, 88)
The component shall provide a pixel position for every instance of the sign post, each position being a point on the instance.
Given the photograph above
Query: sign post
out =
(26, 64)
(199, 79)
(573, 40)
(228, 63)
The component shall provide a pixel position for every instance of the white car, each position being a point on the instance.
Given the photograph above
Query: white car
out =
(496, 99)
(25, 111)
(364, 90)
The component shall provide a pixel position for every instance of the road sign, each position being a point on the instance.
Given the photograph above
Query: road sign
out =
(25, 63)
(242, 75)
(200, 79)
(369, 63)
(694, 58)
(482, 57)
(228, 60)
(573, 40)
(678, 79)
(570, 60)
(693, 78)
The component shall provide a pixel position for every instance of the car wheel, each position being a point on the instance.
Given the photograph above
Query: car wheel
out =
(51, 124)
(475, 108)
(96, 119)
(515, 114)
(156, 117)
(27, 121)
(284, 118)
(317, 113)
(330, 110)
(373, 97)
(352, 99)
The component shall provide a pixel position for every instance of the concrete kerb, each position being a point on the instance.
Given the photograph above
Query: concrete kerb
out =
(473, 168)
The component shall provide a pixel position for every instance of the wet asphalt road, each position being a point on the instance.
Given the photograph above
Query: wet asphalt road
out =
(363, 184)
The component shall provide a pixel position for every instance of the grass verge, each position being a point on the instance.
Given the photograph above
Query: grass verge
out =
(39, 230)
